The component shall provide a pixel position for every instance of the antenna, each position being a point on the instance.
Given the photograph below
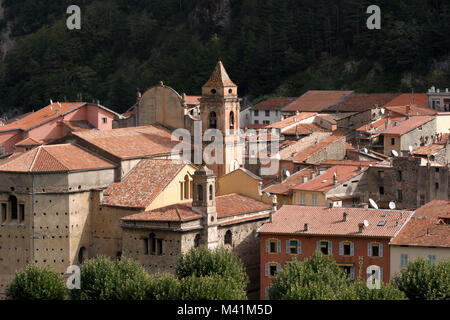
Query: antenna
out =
(366, 223)
(394, 153)
(373, 203)
(392, 205)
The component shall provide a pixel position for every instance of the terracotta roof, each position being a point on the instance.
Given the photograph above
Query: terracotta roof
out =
(80, 125)
(379, 125)
(442, 139)
(333, 117)
(430, 149)
(131, 143)
(28, 142)
(292, 181)
(309, 152)
(426, 228)
(45, 114)
(274, 103)
(129, 112)
(359, 102)
(404, 99)
(292, 120)
(234, 204)
(226, 206)
(255, 126)
(317, 100)
(325, 181)
(408, 125)
(176, 212)
(329, 221)
(55, 158)
(304, 129)
(294, 147)
(348, 163)
(260, 216)
(412, 110)
(142, 184)
(193, 100)
(219, 77)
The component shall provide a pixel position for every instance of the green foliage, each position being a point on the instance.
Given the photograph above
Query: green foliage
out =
(212, 287)
(202, 262)
(106, 279)
(319, 278)
(37, 283)
(163, 287)
(268, 47)
(424, 280)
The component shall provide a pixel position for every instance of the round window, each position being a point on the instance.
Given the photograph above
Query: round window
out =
(213, 91)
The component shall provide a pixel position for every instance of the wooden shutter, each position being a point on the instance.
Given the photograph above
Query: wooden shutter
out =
(381, 274)
(352, 273)
(352, 249)
(330, 247)
(267, 269)
(267, 245)
(369, 249)
(318, 245)
(341, 248)
(279, 246)
(381, 250)
(299, 247)
(288, 246)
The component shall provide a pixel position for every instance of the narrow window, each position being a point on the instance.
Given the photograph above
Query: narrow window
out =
(145, 244)
(347, 248)
(4, 208)
(273, 269)
(324, 247)
(273, 246)
(186, 187)
(231, 120)
(293, 244)
(160, 246)
(13, 206)
(22, 212)
(393, 141)
(152, 244)
(399, 175)
(404, 260)
(210, 192)
(104, 120)
(400, 195)
(267, 112)
(381, 189)
(229, 238)
(81, 255)
(213, 120)
(436, 185)
(197, 241)
(375, 250)
(199, 192)
(256, 113)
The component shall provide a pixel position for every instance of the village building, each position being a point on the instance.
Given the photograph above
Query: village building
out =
(357, 239)
(425, 235)
(438, 100)
(53, 122)
(269, 111)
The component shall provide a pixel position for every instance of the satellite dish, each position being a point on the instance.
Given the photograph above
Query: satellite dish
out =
(277, 156)
(373, 203)
(366, 223)
(365, 150)
(288, 174)
(410, 148)
(394, 153)
(392, 205)
(382, 110)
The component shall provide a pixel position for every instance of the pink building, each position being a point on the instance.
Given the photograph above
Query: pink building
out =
(53, 122)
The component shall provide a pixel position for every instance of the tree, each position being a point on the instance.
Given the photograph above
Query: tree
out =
(163, 287)
(212, 287)
(204, 262)
(37, 283)
(104, 279)
(424, 280)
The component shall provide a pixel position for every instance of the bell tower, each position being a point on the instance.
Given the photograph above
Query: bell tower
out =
(220, 109)
(204, 201)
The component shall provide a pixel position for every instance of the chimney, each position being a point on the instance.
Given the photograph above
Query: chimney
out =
(386, 125)
(305, 179)
(335, 180)
(361, 227)
(274, 208)
(345, 216)
(306, 227)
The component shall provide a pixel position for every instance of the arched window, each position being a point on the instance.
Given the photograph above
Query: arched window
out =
(13, 206)
(199, 192)
(186, 187)
(228, 238)
(231, 120)
(210, 192)
(213, 120)
(82, 255)
(197, 241)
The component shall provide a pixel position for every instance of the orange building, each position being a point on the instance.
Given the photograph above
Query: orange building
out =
(356, 238)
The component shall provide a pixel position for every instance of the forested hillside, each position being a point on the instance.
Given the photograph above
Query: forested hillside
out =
(269, 47)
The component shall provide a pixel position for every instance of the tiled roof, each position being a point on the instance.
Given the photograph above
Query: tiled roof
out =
(259, 216)
(45, 114)
(193, 100)
(176, 212)
(359, 102)
(291, 219)
(317, 100)
(255, 126)
(408, 125)
(304, 129)
(348, 163)
(412, 110)
(219, 77)
(131, 143)
(55, 158)
(379, 125)
(425, 228)
(291, 120)
(28, 142)
(325, 181)
(143, 183)
(274, 103)
(333, 117)
(442, 139)
(80, 125)
(404, 99)
(292, 181)
(309, 152)
(226, 206)
(234, 204)
(430, 149)
(294, 147)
